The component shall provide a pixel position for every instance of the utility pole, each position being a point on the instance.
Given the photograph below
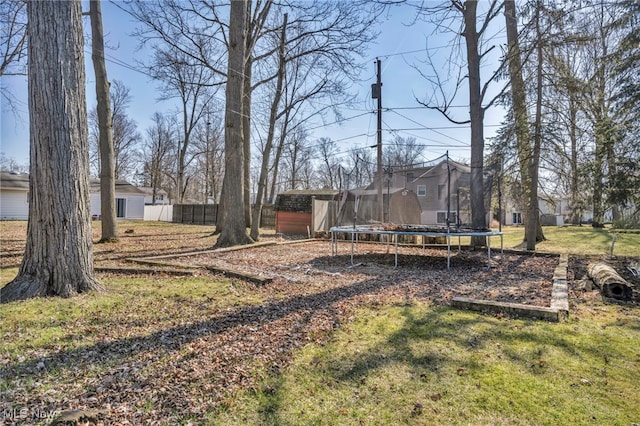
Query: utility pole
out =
(376, 93)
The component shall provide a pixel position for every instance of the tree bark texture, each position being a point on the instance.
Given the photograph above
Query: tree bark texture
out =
(233, 220)
(478, 215)
(611, 284)
(107, 156)
(58, 258)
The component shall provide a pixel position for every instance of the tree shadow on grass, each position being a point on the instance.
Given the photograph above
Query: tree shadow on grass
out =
(116, 364)
(428, 346)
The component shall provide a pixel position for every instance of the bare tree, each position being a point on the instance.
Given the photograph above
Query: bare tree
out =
(298, 160)
(359, 169)
(329, 167)
(157, 153)
(103, 108)
(124, 131)
(191, 85)
(58, 257)
(402, 152)
(13, 42)
(464, 16)
(10, 164)
(209, 146)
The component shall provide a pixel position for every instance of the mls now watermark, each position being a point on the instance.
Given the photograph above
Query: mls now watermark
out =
(24, 413)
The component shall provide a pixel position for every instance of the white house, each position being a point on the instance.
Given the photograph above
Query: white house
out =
(14, 188)
(162, 197)
(14, 205)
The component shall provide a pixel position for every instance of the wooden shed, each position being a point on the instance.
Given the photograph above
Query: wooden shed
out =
(294, 210)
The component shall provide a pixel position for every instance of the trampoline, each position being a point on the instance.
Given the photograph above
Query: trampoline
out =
(417, 230)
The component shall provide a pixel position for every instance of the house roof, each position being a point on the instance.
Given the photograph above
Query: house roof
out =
(149, 190)
(311, 192)
(14, 180)
(122, 187)
(20, 181)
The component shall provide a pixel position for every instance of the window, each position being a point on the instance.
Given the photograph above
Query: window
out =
(422, 190)
(440, 191)
(121, 207)
(441, 218)
(517, 218)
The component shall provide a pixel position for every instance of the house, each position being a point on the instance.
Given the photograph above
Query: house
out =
(441, 188)
(129, 200)
(14, 204)
(162, 196)
(553, 211)
(14, 188)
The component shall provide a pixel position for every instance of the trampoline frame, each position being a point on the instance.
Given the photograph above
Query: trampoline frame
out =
(377, 230)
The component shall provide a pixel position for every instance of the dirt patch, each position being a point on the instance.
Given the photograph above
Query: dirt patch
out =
(421, 272)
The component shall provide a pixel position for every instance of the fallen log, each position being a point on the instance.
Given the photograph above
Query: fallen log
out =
(611, 284)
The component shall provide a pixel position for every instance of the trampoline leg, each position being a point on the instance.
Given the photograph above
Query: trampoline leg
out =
(396, 241)
(353, 236)
(448, 252)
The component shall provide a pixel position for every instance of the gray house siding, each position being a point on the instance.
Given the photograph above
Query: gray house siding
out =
(430, 184)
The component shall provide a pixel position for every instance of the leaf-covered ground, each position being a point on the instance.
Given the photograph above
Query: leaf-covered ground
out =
(164, 350)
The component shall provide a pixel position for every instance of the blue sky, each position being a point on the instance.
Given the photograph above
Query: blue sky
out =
(399, 47)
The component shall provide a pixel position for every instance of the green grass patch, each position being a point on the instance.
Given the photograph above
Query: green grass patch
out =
(433, 365)
(577, 240)
(130, 307)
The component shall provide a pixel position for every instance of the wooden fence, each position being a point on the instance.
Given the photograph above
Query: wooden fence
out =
(207, 214)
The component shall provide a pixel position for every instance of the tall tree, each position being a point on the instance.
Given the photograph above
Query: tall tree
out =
(329, 167)
(191, 85)
(107, 166)
(124, 131)
(473, 33)
(58, 257)
(528, 153)
(232, 222)
(273, 115)
(157, 152)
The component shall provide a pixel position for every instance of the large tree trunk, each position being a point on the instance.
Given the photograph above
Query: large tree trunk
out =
(478, 216)
(232, 202)
(107, 166)
(58, 258)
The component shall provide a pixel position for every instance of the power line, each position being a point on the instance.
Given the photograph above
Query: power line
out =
(426, 128)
